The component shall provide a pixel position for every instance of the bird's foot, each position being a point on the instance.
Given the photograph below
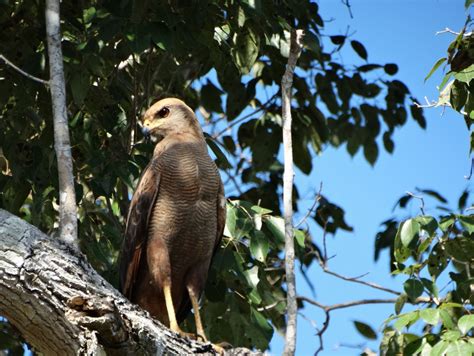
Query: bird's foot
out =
(185, 334)
(218, 349)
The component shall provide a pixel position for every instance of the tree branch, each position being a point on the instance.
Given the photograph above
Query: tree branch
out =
(313, 207)
(62, 146)
(62, 306)
(328, 308)
(21, 71)
(354, 303)
(288, 175)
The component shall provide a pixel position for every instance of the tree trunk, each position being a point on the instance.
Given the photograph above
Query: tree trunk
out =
(62, 306)
(288, 175)
(62, 146)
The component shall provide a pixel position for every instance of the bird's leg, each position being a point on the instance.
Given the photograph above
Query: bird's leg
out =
(170, 308)
(197, 315)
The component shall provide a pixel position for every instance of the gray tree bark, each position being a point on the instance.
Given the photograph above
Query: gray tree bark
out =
(62, 146)
(62, 306)
(296, 37)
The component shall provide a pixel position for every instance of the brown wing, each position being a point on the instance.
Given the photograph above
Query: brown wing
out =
(185, 307)
(221, 216)
(136, 231)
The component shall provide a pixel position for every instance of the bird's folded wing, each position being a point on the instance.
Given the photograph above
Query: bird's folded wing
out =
(136, 234)
(221, 216)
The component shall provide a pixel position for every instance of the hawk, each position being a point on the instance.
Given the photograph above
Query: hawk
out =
(175, 221)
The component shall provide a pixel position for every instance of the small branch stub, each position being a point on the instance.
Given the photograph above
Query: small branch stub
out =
(296, 37)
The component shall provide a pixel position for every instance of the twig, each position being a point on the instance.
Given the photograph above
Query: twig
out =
(296, 37)
(328, 308)
(354, 303)
(447, 30)
(348, 5)
(243, 118)
(357, 280)
(311, 210)
(62, 145)
(21, 71)
(422, 207)
(470, 172)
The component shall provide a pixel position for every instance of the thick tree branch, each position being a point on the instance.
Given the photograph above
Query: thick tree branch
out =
(288, 175)
(62, 146)
(61, 306)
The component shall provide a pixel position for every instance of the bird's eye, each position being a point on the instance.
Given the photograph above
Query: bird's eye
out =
(164, 112)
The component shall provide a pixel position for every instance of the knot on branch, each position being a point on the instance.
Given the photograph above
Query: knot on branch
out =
(98, 314)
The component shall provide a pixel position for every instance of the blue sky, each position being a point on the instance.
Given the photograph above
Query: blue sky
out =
(401, 32)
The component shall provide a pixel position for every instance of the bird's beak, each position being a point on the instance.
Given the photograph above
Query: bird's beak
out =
(145, 132)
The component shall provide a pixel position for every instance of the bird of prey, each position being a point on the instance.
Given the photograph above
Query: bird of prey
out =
(175, 221)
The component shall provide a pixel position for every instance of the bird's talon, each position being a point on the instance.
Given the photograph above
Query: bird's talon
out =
(218, 349)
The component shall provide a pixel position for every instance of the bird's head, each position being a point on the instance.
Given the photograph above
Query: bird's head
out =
(169, 116)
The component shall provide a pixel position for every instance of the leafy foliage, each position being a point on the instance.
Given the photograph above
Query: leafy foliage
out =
(429, 249)
(120, 56)
(457, 87)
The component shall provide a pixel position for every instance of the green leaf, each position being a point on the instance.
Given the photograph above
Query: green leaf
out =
(399, 304)
(88, 14)
(417, 114)
(434, 194)
(276, 225)
(300, 237)
(446, 319)
(246, 49)
(365, 330)
(466, 323)
(252, 276)
(259, 245)
(465, 75)
(406, 319)
(371, 152)
(401, 253)
(388, 142)
(460, 348)
(451, 335)
(410, 230)
(460, 248)
(439, 348)
(468, 3)
(458, 95)
(359, 49)
(413, 288)
(431, 316)
(467, 221)
(430, 286)
(427, 223)
(390, 68)
(445, 81)
(311, 41)
(435, 67)
(79, 87)
(211, 97)
(222, 160)
(446, 222)
(424, 245)
(338, 39)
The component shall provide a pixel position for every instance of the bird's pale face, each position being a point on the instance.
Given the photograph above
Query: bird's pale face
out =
(168, 116)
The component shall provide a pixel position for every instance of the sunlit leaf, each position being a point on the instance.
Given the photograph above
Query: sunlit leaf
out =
(466, 323)
(410, 230)
(435, 67)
